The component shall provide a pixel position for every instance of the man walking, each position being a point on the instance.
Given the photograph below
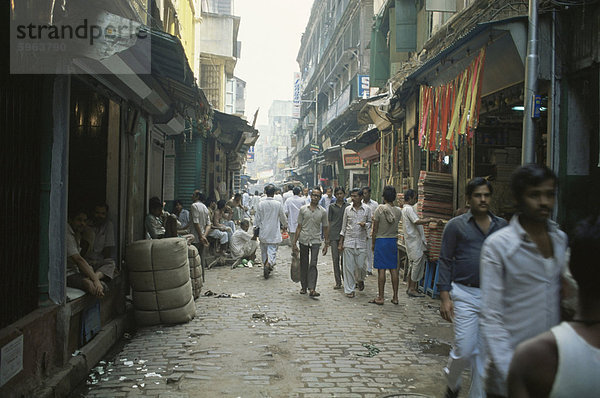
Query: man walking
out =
(326, 199)
(414, 238)
(310, 220)
(353, 242)
(564, 361)
(521, 268)
(372, 205)
(269, 218)
(335, 216)
(459, 276)
(289, 193)
(292, 209)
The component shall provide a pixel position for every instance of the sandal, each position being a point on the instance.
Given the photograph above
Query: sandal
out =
(376, 301)
(314, 293)
(302, 291)
(350, 295)
(395, 301)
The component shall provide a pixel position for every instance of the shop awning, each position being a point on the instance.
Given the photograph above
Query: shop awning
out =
(233, 132)
(370, 152)
(304, 169)
(506, 42)
(375, 112)
(362, 140)
(169, 92)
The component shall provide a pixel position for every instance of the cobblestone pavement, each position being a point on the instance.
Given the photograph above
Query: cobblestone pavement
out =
(274, 342)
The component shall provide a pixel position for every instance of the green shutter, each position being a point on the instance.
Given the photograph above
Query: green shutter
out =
(406, 25)
(380, 55)
(190, 166)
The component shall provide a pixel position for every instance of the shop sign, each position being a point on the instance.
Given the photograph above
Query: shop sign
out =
(297, 96)
(363, 86)
(315, 148)
(351, 159)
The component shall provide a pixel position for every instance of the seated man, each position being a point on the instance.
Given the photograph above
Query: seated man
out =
(160, 224)
(217, 230)
(80, 274)
(183, 216)
(243, 244)
(223, 214)
(100, 237)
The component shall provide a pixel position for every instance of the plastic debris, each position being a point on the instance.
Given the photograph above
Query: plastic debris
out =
(128, 363)
(75, 353)
(153, 374)
(372, 350)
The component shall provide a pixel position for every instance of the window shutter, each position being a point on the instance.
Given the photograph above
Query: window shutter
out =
(406, 25)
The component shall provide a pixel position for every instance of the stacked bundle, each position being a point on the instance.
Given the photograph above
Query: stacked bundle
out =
(159, 274)
(435, 201)
(195, 270)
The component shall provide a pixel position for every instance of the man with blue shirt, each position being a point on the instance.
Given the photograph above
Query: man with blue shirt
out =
(458, 284)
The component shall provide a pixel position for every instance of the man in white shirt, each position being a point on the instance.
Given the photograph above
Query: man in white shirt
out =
(414, 238)
(356, 223)
(311, 219)
(100, 235)
(80, 274)
(289, 193)
(269, 218)
(291, 209)
(372, 205)
(521, 270)
(278, 196)
(564, 362)
(246, 199)
(200, 221)
(326, 199)
(243, 245)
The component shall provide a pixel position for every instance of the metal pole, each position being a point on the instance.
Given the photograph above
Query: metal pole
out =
(314, 157)
(531, 73)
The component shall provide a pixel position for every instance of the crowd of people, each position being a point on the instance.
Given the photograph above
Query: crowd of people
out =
(501, 283)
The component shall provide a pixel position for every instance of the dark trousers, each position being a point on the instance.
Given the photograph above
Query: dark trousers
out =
(308, 272)
(337, 260)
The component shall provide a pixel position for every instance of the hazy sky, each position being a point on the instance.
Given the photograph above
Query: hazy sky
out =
(270, 32)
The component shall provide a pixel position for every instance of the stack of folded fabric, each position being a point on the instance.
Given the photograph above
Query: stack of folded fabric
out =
(435, 201)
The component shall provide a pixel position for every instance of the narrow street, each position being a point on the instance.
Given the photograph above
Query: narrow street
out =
(271, 341)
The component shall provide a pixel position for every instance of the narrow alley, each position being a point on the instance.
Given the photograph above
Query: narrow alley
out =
(267, 340)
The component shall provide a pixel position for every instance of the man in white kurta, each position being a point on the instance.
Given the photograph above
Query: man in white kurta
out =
(269, 218)
(243, 244)
(416, 245)
(372, 205)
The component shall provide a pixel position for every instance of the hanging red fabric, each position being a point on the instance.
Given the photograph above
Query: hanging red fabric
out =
(435, 114)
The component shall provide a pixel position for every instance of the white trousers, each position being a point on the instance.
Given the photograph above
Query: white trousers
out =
(354, 268)
(221, 235)
(268, 251)
(468, 342)
(369, 255)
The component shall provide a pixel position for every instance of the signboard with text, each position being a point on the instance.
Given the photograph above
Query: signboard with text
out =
(364, 86)
(351, 159)
(297, 102)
